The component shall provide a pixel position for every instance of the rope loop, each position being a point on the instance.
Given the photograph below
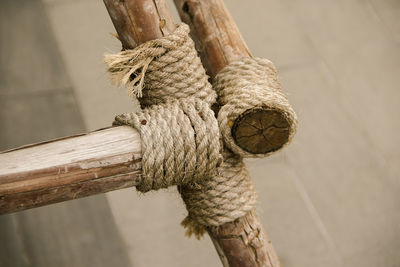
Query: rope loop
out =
(181, 143)
(250, 84)
(228, 195)
(179, 131)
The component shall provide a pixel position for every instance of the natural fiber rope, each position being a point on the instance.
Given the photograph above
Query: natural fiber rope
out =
(225, 197)
(162, 69)
(250, 84)
(180, 142)
(179, 132)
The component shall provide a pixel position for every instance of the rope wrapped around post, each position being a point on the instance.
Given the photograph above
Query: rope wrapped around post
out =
(225, 197)
(180, 134)
(251, 84)
(245, 84)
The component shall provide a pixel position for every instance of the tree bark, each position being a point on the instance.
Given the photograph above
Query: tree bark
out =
(139, 21)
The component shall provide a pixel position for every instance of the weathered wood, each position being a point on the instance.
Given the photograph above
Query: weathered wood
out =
(242, 242)
(69, 168)
(139, 21)
(220, 43)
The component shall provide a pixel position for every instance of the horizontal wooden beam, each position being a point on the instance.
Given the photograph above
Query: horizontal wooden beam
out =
(87, 164)
(69, 168)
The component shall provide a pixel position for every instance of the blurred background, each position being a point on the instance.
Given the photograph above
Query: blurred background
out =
(332, 198)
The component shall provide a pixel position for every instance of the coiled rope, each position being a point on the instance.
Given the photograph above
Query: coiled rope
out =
(181, 142)
(250, 84)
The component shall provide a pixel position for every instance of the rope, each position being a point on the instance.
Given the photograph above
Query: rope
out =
(225, 197)
(162, 69)
(180, 142)
(179, 132)
(250, 83)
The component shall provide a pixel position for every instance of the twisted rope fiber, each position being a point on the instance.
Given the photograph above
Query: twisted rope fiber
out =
(179, 132)
(162, 69)
(180, 143)
(246, 84)
(227, 196)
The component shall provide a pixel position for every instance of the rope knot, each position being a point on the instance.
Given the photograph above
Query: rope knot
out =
(180, 143)
(179, 132)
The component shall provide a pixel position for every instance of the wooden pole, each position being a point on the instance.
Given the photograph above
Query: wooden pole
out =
(242, 242)
(69, 168)
(139, 21)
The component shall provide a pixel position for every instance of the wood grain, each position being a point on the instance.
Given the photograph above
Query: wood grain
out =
(69, 168)
(139, 21)
(243, 243)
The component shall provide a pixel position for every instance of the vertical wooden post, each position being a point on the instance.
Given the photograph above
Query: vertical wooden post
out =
(139, 21)
(239, 243)
(242, 242)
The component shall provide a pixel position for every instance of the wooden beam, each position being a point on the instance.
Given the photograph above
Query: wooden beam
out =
(69, 168)
(242, 242)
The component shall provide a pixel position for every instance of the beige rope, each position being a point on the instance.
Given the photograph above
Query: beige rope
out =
(250, 83)
(225, 197)
(179, 132)
(162, 69)
(179, 142)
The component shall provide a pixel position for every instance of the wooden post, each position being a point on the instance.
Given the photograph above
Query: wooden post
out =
(139, 21)
(242, 242)
(239, 243)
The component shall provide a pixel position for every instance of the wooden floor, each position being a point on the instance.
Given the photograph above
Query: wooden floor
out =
(332, 198)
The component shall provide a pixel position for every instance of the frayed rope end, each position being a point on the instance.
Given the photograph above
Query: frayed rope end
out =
(128, 70)
(193, 228)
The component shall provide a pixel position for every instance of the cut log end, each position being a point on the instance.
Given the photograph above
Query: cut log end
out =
(260, 131)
